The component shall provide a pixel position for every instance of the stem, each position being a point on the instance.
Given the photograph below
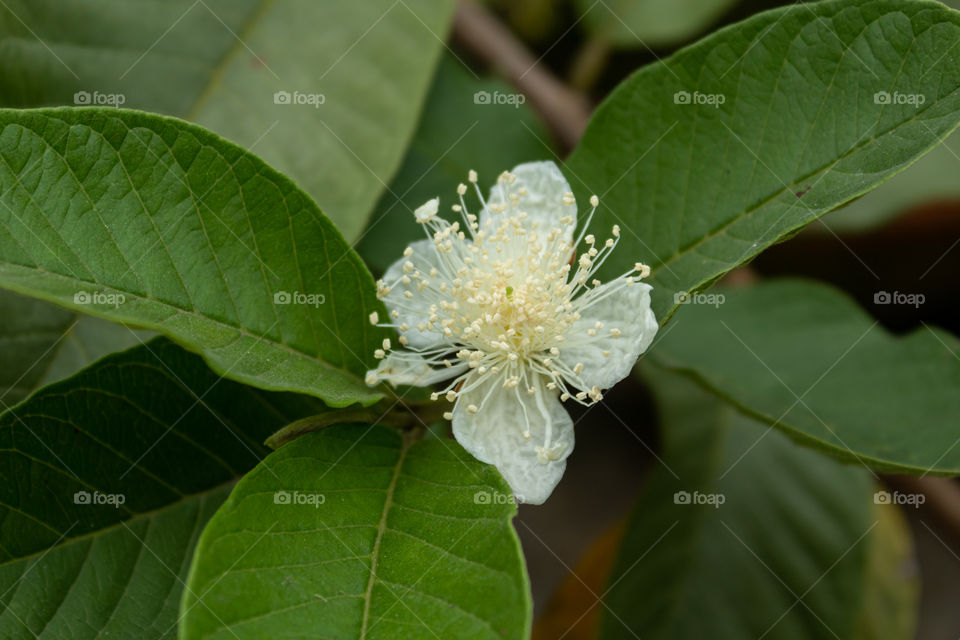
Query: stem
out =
(564, 111)
(589, 63)
(410, 419)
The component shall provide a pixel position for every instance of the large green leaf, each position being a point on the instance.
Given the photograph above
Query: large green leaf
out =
(456, 134)
(357, 532)
(738, 535)
(220, 62)
(157, 223)
(41, 343)
(643, 24)
(700, 188)
(152, 425)
(806, 359)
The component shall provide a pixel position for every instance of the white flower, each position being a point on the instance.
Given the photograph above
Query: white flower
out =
(507, 308)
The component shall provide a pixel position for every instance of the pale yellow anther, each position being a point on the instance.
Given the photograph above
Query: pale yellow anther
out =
(594, 201)
(374, 318)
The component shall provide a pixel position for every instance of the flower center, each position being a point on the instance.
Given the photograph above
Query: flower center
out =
(504, 301)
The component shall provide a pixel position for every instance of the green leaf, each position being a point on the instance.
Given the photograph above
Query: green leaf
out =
(932, 178)
(642, 24)
(455, 135)
(356, 532)
(42, 343)
(160, 224)
(152, 425)
(220, 62)
(741, 534)
(806, 359)
(700, 188)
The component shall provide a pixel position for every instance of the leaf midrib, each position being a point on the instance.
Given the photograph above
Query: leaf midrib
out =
(218, 70)
(125, 319)
(381, 529)
(684, 251)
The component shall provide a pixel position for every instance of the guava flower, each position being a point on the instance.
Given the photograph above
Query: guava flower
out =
(506, 309)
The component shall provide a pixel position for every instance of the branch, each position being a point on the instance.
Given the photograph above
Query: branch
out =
(564, 111)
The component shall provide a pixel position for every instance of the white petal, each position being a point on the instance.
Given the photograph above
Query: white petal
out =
(495, 434)
(543, 202)
(627, 310)
(426, 211)
(416, 310)
(408, 368)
